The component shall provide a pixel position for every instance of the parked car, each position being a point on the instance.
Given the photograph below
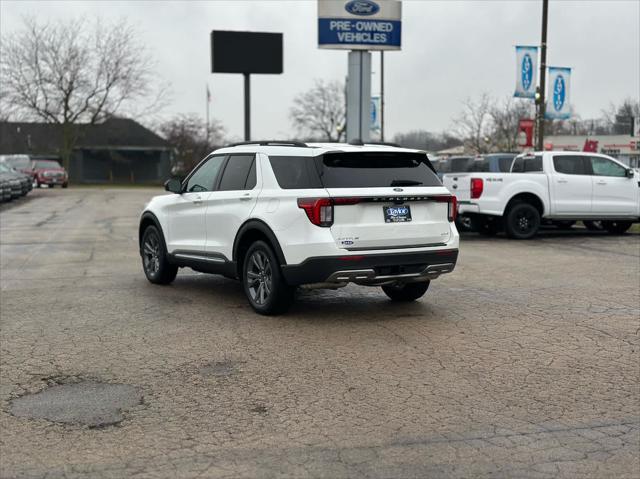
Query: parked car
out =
(13, 183)
(24, 180)
(49, 172)
(455, 164)
(559, 186)
(5, 190)
(20, 163)
(282, 215)
(492, 163)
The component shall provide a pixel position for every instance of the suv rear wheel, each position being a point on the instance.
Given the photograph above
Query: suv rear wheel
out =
(263, 282)
(154, 258)
(406, 291)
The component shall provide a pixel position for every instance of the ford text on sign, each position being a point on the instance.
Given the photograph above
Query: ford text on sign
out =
(359, 24)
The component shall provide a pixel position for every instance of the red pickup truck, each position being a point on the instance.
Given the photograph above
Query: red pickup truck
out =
(49, 172)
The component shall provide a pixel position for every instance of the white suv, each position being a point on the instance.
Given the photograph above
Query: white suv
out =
(281, 215)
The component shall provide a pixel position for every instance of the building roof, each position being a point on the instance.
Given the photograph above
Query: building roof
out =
(46, 138)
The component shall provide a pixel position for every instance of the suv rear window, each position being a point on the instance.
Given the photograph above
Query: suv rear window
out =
(295, 172)
(375, 169)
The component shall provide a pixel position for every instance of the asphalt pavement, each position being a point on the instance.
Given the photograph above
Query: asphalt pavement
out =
(524, 362)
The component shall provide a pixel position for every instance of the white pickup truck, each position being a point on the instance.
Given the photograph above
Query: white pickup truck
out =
(556, 186)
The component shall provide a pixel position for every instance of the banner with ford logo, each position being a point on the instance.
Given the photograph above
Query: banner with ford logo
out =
(360, 24)
(558, 106)
(526, 71)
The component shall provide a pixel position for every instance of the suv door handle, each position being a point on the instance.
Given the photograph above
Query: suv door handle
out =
(245, 197)
(563, 181)
(601, 182)
(197, 200)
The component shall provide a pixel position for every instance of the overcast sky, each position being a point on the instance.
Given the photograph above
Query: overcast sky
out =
(450, 50)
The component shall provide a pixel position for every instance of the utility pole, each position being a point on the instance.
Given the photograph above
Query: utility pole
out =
(382, 96)
(543, 77)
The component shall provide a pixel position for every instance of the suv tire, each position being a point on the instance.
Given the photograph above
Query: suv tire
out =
(407, 291)
(155, 262)
(616, 227)
(522, 221)
(264, 285)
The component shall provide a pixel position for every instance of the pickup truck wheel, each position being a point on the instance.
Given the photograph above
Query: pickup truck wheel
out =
(522, 221)
(407, 291)
(593, 225)
(485, 226)
(263, 282)
(616, 227)
(155, 263)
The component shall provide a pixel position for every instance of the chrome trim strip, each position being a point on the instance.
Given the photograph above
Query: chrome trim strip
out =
(374, 248)
(200, 258)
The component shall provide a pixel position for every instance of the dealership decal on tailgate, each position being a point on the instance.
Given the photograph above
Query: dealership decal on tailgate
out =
(397, 214)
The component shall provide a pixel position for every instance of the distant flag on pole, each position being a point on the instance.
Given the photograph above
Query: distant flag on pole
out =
(526, 71)
(208, 95)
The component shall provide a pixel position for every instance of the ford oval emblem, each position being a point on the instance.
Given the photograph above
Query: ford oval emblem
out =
(527, 71)
(558, 93)
(362, 7)
(398, 189)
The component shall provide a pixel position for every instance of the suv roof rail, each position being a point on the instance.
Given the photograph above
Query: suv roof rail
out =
(298, 144)
(383, 143)
(356, 141)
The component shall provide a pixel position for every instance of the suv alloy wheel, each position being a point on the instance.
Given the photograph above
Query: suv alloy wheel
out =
(154, 258)
(263, 283)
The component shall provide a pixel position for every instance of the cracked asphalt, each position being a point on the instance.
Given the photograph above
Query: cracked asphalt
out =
(524, 362)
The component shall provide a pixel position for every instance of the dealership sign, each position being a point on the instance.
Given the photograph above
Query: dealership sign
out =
(360, 24)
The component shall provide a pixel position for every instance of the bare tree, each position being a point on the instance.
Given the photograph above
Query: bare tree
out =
(475, 124)
(506, 116)
(618, 118)
(187, 134)
(425, 140)
(320, 111)
(70, 72)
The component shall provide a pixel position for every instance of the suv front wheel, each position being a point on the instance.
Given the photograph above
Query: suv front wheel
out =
(263, 282)
(154, 258)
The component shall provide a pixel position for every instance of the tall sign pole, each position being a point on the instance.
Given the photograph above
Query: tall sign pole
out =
(543, 75)
(359, 26)
(382, 95)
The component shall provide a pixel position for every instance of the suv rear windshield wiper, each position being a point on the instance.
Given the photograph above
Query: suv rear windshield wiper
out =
(405, 183)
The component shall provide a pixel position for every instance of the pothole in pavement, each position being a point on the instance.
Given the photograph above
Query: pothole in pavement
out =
(220, 368)
(91, 403)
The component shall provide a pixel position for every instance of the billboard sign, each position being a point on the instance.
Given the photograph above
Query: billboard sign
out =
(526, 71)
(360, 24)
(246, 52)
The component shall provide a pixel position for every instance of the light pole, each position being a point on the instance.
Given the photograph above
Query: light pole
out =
(543, 71)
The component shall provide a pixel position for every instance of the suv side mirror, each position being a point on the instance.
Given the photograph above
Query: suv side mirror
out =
(629, 173)
(173, 185)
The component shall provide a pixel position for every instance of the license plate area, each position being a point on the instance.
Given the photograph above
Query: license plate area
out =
(397, 213)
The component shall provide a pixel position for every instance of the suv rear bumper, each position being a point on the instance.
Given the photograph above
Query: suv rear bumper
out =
(372, 269)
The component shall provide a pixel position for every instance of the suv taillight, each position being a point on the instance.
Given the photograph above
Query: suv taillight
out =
(452, 206)
(319, 210)
(477, 185)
